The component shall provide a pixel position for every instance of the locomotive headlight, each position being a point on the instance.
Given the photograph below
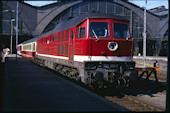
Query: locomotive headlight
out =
(112, 46)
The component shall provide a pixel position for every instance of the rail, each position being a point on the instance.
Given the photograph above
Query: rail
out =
(134, 104)
(144, 103)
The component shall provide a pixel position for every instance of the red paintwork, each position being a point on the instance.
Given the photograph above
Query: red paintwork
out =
(19, 48)
(86, 45)
(28, 54)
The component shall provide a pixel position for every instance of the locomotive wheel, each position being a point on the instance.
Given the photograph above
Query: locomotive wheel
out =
(127, 79)
(117, 83)
(122, 82)
(78, 78)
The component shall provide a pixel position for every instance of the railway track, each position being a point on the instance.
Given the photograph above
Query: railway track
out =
(129, 98)
(134, 104)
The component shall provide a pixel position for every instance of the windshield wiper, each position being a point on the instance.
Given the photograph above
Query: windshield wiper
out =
(128, 35)
(97, 39)
(105, 33)
(94, 34)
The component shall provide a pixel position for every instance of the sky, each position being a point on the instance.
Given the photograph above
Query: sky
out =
(150, 3)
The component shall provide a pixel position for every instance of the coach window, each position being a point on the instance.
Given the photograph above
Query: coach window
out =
(33, 48)
(81, 32)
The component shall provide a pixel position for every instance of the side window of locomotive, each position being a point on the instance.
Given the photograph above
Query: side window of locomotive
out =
(72, 34)
(81, 32)
(41, 41)
(50, 38)
(99, 29)
(55, 37)
(44, 40)
(121, 30)
(59, 37)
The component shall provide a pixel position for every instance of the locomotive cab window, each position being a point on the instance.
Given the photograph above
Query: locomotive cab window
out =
(121, 30)
(72, 34)
(81, 32)
(99, 29)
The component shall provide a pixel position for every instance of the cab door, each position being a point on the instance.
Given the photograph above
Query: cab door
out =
(71, 44)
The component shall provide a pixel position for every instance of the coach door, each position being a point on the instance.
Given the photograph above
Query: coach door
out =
(71, 45)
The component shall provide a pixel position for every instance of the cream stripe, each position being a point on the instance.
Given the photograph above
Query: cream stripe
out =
(52, 56)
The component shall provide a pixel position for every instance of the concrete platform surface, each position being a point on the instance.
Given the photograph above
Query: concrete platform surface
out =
(30, 88)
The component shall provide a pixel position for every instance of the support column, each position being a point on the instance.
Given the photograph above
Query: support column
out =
(136, 47)
(158, 46)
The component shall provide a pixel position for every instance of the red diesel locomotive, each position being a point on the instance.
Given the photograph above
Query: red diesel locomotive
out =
(91, 48)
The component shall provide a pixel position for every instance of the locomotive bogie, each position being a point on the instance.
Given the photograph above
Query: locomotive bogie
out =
(118, 73)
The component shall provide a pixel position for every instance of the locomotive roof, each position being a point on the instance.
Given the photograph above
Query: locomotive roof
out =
(74, 21)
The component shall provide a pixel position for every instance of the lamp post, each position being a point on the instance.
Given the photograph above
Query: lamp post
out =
(17, 27)
(144, 35)
(12, 20)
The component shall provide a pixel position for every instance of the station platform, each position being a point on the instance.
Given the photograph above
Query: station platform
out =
(31, 88)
